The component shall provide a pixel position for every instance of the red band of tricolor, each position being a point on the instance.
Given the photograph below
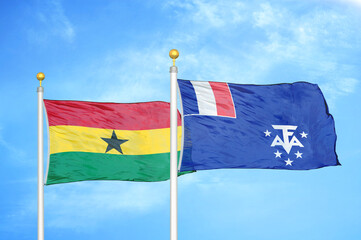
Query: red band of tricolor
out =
(214, 98)
(120, 116)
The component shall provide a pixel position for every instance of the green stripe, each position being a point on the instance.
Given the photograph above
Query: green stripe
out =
(81, 166)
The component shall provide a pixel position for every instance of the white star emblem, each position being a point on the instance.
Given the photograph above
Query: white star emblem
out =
(278, 154)
(288, 162)
(298, 154)
(268, 134)
(289, 140)
(304, 135)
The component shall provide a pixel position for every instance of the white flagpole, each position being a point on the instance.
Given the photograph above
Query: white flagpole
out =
(40, 76)
(173, 148)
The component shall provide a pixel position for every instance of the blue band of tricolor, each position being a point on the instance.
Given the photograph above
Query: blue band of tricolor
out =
(210, 98)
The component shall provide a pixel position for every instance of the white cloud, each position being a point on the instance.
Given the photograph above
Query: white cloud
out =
(352, 2)
(85, 204)
(138, 75)
(338, 87)
(13, 151)
(131, 75)
(53, 22)
(302, 40)
(348, 85)
(313, 43)
(214, 186)
(267, 16)
(211, 13)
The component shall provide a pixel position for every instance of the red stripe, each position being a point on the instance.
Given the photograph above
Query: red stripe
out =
(121, 116)
(224, 102)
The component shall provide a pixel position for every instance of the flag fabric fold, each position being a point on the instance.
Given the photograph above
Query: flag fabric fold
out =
(281, 126)
(108, 141)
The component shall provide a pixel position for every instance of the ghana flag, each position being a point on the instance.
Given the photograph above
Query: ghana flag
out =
(108, 141)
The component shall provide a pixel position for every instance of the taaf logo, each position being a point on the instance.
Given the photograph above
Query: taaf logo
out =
(288, 142)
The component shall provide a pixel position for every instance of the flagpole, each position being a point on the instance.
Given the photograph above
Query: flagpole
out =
(173, 148)
(40, 76)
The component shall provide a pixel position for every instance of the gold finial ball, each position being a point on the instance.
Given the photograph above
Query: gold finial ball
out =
(40, 76)
(173, 53)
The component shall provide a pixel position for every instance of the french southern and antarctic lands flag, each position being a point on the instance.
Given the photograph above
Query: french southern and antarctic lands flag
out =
(282, 126)
(108, 141)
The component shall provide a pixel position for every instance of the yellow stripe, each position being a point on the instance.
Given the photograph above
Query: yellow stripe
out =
(84, 139)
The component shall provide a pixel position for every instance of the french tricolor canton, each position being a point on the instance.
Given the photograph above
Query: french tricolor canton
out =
(212, 98)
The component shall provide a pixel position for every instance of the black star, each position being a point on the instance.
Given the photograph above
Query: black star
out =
(114, 142)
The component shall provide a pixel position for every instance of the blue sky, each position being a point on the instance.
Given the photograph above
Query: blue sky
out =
(118, 51)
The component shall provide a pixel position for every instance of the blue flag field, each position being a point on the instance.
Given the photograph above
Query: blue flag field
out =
(281, 126)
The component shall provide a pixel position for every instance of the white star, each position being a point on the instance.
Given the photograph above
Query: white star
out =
(278, 154)
(268, 134)
(289, 162)
(298, 154)
(304, 135)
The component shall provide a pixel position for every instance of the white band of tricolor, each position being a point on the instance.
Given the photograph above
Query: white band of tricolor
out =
(214, 98)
